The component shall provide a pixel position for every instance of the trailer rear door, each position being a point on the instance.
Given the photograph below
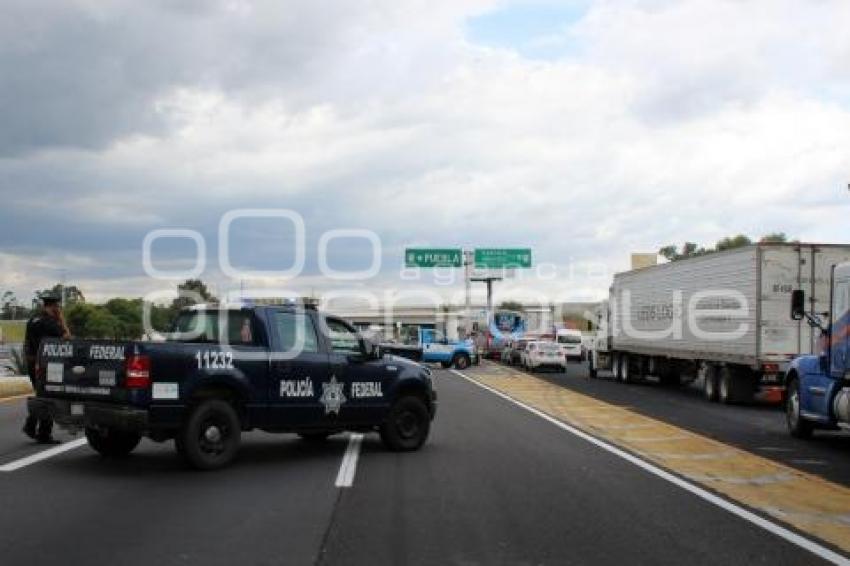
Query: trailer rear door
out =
(783, 269)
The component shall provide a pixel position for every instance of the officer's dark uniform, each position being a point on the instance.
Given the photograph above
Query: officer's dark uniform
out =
(39, 327)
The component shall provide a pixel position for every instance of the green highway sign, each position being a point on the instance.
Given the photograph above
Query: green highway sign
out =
(501, 258)
(433, 257)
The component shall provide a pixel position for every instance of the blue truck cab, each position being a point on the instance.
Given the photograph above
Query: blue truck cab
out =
(225, 370)
(436, 348)
(818, 387)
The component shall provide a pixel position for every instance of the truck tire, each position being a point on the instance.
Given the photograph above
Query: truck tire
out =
(734, 386)
(615, 365)
(111, 443)
(591, 366)
(461, 361)
(724, 386)
(211, 436)
(798, 426)
(407, 425)
(709, 383)
(625, 369)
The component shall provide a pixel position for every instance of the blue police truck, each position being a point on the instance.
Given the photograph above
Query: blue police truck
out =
(226, 370)
(818, 386)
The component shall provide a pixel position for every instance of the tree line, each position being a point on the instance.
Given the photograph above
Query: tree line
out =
(691, 249)
(116, 319)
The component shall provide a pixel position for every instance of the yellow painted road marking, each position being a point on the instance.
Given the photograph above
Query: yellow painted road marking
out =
(804, 501)
(14, 398)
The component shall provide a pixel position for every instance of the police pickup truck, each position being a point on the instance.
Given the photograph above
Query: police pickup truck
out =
(227, 370)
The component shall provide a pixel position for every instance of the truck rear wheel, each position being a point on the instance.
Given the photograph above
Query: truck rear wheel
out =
(709, 381)
(798, 426)
(625, 370)
(724, 387)
(211, 436)
(407, 425)
(461, 361)
(735, 385)
(111, 443)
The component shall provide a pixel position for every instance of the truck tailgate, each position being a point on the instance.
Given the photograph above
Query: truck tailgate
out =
(82, 369)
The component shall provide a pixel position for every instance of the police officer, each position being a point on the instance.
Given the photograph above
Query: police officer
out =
(49, 323)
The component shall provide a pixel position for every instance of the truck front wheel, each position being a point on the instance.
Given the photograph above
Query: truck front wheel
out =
(407, 425)
(210, 437)
(111, 443)
(461, 361)
(798, 426)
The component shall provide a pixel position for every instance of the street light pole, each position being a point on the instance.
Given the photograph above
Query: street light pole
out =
(467, 275)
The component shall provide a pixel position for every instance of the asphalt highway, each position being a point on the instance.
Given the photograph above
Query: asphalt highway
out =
(495, 484)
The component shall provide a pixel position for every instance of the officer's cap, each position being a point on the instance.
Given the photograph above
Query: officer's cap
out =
(50, 299)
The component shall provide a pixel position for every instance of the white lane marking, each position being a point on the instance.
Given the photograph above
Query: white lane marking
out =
(778, 530)
(43, 455)
(348, 467)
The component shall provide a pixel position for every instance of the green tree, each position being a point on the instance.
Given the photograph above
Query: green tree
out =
(190, 291)
(669, 252)
(10, 308)
(774, 238)
(128, 315)
(728, 243)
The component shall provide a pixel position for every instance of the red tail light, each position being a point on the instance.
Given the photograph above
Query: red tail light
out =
(138, 372)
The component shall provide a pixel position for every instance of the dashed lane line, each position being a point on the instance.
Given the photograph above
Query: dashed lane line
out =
(727, 505)
(348, 467)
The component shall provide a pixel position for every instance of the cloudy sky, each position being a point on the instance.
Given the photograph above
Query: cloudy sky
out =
(584, 129)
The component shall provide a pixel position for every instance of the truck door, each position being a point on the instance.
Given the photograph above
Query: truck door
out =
(840, 357)
(364, 382)
(435, 347)
(819, 387)
(299, 367)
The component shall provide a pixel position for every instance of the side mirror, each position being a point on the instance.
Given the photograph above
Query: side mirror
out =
(798, 304)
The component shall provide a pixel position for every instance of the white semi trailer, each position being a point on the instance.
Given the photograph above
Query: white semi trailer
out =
(720, 319)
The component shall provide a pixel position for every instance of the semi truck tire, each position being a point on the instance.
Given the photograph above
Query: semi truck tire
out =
(709, 383)
(798, 426)
(735, 385)
(211, 436)
(725, 393)
(625, 369)
(111, 443)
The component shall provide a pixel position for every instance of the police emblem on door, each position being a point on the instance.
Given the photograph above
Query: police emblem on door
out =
(332, 396)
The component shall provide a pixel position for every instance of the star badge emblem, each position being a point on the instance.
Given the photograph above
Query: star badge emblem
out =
(332, 396)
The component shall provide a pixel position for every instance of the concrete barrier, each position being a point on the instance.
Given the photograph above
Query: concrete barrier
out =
(12, 386)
